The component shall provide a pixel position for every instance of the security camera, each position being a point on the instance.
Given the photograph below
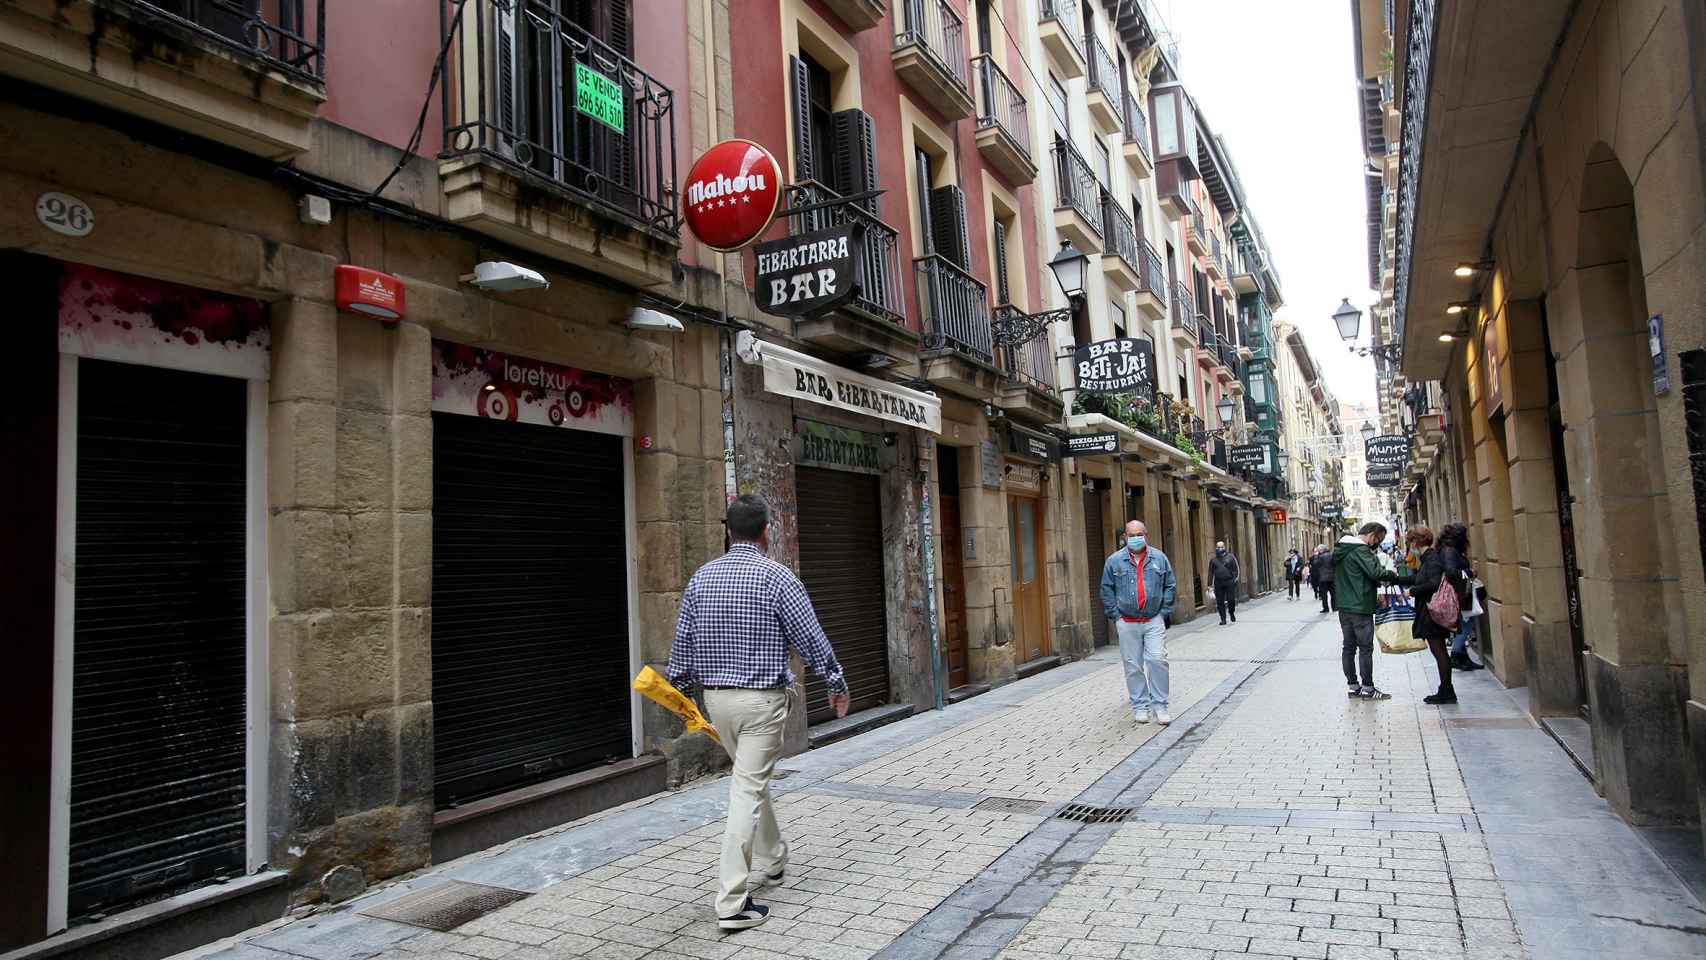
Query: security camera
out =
(644, 318)
(502, 275)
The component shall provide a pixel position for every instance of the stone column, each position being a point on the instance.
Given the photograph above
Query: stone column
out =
(1497, 531)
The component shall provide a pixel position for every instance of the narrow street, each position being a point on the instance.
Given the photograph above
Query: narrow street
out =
(1274, 818)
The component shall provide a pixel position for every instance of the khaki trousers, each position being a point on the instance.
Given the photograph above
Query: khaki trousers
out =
(750, 724)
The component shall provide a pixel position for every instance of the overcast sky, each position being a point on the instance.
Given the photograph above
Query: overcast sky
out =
(1276, 80)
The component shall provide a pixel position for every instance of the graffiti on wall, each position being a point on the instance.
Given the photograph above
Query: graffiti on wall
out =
(485, 383)
(107, 315)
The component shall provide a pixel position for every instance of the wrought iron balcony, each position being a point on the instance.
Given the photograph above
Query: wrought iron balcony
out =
(1228, 354)
(518, 72)
(1206, 336)
(1152, 275)
(1137, 127)
(1198, 236)
(1061, 26)
(1118, 230)
(1105, 81)
(1184, 310)
(1003, 122)
(930, 55)
(1076, 185)
(288, 35)
(880, 295)
(1030, 363)
(955, 305)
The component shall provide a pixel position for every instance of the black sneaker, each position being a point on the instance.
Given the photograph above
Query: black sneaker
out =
(1374, 693)
(749, 916)
(1353, 691)
(772, 879)
(1440, 698)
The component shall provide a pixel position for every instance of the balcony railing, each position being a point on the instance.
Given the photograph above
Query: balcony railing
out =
(1030, 363)
(1118, 230)
(956, 308)
(517, 71)
(281, 32)
(1136, 125)
(1205, 334)
(1152, 276)
(1228, 354)
(1214, 253)
(1104, 76)
(1076, 185)
(1197, 219)
(1184, 309)
(937, 27)
(1067, 15)
(1000, 104)
(1217, 452)
(880, 295)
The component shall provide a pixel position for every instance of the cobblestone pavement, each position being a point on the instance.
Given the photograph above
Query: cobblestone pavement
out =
(1274, 818)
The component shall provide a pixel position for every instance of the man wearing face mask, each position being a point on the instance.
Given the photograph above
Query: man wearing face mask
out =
(1223, 571)
(1137, 593)
(1356, 571)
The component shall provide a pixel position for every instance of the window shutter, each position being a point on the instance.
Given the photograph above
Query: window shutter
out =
(856, 155)
(948, 224)
(509, 68)
(623, 147)
(802, 119)
(1002, 291)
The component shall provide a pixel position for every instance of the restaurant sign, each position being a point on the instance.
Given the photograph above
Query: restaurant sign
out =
(790, 373)
(1027, 443)
(1024, 476)
(810, 273)
(1331, 511)
(1391, 449)
(1385, 475)
(1277, 515)
(1248, 456)
(1092, 444)
(1114, 366)
(837, 448)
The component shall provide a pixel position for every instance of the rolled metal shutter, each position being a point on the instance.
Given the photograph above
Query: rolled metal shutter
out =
(159, 675)
(1094, 560)
(841, 564)
(529, 605)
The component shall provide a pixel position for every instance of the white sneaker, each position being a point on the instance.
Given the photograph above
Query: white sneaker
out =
(1143, 716)
(1163, 717)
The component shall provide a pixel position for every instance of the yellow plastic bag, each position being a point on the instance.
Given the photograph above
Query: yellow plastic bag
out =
(651, 685)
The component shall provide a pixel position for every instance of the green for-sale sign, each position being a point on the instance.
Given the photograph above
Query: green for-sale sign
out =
(599, 97)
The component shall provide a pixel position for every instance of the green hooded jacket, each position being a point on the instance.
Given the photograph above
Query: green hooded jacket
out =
(1356, 570)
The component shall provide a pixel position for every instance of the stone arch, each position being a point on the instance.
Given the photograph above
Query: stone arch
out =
(1627, 548)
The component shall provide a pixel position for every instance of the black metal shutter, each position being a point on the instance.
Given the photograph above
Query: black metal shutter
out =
(841, 564)
(948, 224)
(856, 155)
(529, 604)
(159, 682)
(1094, 560)
(802, 83)
(1003, 293)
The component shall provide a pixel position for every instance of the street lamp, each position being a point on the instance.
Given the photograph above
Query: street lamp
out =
(1367, 431)
(1348, 319)
(1069, 265)
(1283, 459)
(1225, 408)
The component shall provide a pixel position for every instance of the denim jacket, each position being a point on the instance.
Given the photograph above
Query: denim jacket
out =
(1119, 586)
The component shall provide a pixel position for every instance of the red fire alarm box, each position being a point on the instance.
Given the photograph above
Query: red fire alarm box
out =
(360, 290)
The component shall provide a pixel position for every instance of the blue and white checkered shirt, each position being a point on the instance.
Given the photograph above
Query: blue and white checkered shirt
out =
(739, 614)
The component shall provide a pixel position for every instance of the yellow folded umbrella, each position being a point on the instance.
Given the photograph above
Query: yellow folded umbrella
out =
(651, 685)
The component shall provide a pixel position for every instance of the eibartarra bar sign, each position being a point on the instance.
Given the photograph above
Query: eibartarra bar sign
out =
(1115, 366)
(811, 273)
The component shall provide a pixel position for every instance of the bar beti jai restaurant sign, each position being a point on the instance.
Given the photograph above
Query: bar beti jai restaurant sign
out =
(790, 373)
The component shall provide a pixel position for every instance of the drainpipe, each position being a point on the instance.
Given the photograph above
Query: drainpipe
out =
(926, 530)
(726, 361)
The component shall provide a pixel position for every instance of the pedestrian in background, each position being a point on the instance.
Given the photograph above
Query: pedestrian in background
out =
(740, 615)
(1294, 567)
(1223, 573)
(1137, 594)
(1357, 571)
(1455, 537)
(1321, 570)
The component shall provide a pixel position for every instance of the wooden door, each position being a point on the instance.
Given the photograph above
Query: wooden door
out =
(1030, 592)
(952, 542)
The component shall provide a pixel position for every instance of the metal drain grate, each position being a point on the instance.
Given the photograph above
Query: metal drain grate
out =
(447, 906)
(1007, 805)
(1491, 723)
(1088, 814)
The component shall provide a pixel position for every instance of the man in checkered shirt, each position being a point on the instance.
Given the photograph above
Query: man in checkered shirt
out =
(739, 615)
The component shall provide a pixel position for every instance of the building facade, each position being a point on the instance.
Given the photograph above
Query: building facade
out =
(1551, 355)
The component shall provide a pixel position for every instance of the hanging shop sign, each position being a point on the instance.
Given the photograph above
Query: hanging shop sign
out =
(1029, 443)
(1024, 477)
(360, 290)
(1495, 400)
(1385, 475)
(733, 191)
(107, 315)
(1092, 444)
(1277, 515)
(1656, 347)
(1391, 449)
(1114, 366)
(1248, 456)
(838, 448)
(809, 274)
(790, 373)
(484, 383)
(1331, 511)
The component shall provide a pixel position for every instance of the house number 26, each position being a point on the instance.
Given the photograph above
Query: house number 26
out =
(63, 213)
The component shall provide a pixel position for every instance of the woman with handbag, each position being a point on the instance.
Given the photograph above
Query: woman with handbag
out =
(1437, 609)
(1454, 539)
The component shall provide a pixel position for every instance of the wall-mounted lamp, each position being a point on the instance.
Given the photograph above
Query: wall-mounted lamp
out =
(1468, 269)
(1459, 306)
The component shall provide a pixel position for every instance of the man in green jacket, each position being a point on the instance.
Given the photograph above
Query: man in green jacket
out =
(1356, 572)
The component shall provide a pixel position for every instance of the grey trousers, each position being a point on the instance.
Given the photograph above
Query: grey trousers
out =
(1358, 630)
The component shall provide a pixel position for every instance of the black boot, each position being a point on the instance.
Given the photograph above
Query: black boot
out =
(1445, 695)
(1461, 661)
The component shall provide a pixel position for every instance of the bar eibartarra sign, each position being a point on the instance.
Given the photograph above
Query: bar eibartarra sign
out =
(837, 448)
(809, 274)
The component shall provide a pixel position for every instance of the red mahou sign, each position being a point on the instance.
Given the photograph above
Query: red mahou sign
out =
(733, 191)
